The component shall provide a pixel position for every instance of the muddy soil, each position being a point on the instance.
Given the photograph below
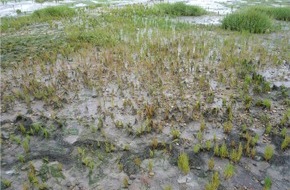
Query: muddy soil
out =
(117, 121)
(94, 142)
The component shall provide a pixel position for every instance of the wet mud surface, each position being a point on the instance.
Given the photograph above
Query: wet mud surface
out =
(120, 117)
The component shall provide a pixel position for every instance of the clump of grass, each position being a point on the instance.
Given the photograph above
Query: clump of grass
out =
(180, 9)
(279, 13)
(266, 103)
(211, 164)
(42, 15)
(154, 143)
(150, 166)
(6, 183)
(286, 118)
(183, 163)
(202, 125)
(248, 20)
(40, 1)
(269, 152)
(208, 145)
(268, 128)
(196, 148)
(88, 162)
(227, 126)
(25, 144)
(214, 183)
(284, 132)
(175, 133)
(285, 143)
(125, 182)
(268, 183)
(199, 136)
(229, 171)
(97, 36)
(216, 150)
(223, 151)
(54, 12)
(167, 187)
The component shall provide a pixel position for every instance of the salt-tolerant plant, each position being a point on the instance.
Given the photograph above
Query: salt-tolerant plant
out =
(255, 140)
(279, 13)
(54, 12)
(180, 9)
(22, 129)
(268, 183)
(230, 113)
(6, 183)
(100, 123)
(244, 127)
(21, 158)
(286, 142)
(199, 136)
(268, 152)
(120, 167)
(125, 182)
(223, 151)
(137, 161)
(248, 102)
(253, 152)
(25, 144)
(208, 145)
(93, 129)
(42, 15)
(167, 187)
(175, 133)
(151, 153)
(196, 148)
(214, 183)
(234, 156)
(268, 128)
(216, 150)
(286, 118)
(284, 132)
(89, 162)
(15, 139)
(229, 171)
(154, 143)
(227, 126)
(202, 125)
(249, 20)
(267, 103)
(211, 164)
(240, 151)
(183, 163)
(214, 138)
(150, 165)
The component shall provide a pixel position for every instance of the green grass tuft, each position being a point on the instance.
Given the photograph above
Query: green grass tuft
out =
(268, 183)
(278, 13)
(162, 9)
(54, 12)
(42, 15)
(183, 163)
(180, 9)
(248, 20)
